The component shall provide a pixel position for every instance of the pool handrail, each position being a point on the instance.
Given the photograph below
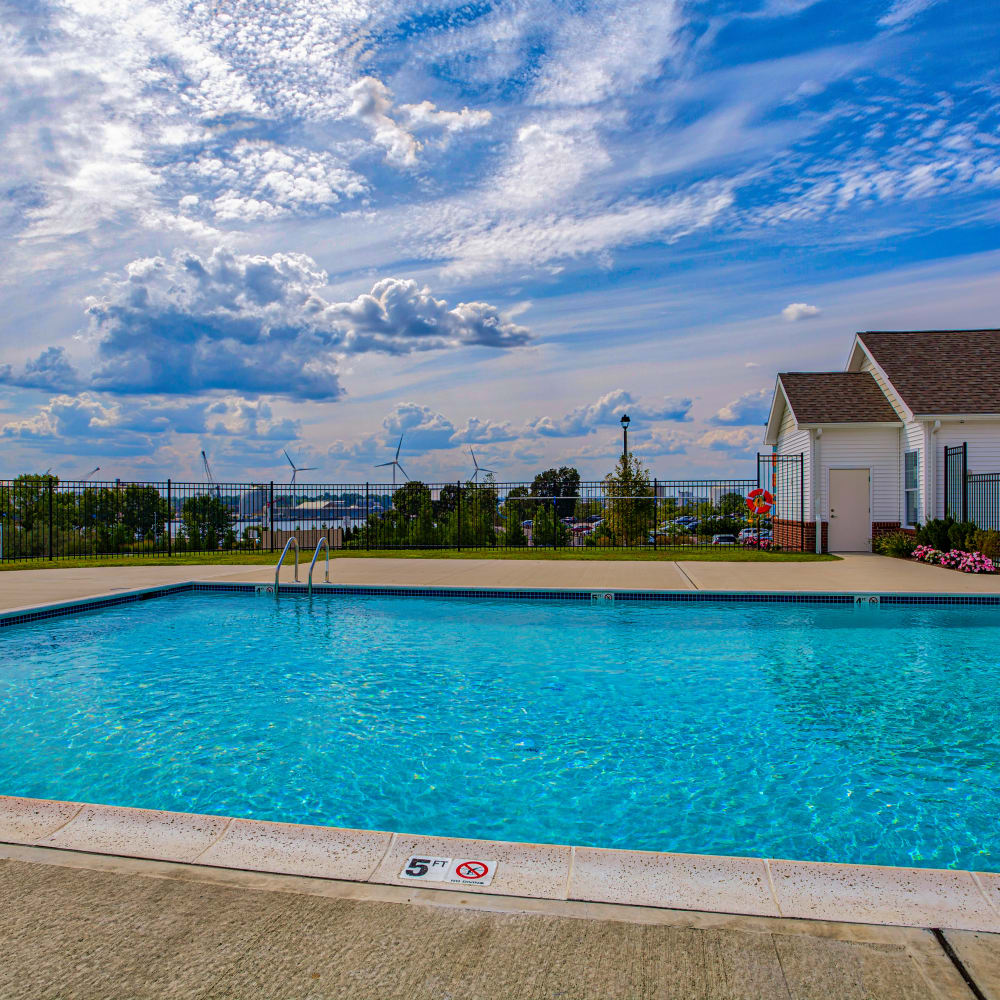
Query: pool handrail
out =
(294, 542)
(322, 542)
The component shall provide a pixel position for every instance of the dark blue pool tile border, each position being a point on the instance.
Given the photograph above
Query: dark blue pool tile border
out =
(627, 596)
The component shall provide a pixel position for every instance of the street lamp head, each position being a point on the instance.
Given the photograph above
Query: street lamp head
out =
(625, 421)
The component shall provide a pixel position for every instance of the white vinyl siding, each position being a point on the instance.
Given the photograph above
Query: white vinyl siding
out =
(794, 442)
(873, 448)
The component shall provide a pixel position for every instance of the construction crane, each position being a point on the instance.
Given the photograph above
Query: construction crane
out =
(84, 479)
(209, 478)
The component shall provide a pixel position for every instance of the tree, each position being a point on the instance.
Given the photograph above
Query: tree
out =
(516, 507)
(514, 536)
(447, 501)
(144, 512)
(732, 505)
(410, 497)
(561, 482)
(547, 529)
(628, 502)
(205, 519)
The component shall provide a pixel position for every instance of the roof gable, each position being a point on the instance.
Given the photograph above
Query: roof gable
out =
(819, 398)
(938, 372)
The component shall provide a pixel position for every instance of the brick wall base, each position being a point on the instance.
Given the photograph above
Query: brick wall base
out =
(797, 536)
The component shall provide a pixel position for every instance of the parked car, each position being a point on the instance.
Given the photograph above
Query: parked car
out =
(723, 539)
(595, 518)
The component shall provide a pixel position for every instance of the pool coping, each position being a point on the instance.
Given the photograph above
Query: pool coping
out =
(79, 605)
(764, 887)
(913, 897)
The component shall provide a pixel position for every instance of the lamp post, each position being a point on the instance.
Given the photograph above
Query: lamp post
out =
(625, 422)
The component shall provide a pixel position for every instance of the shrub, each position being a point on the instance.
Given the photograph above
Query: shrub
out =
(898, 544)
(946, 534)
(987, 543)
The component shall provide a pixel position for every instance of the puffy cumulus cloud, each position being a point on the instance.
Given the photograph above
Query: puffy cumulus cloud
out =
(607, 411)
(392, 129)
(795, 311)
(423, 429)
(233, 416)
(398, 316)
(478, 431)
(226, 322)
(50, 370)
(661, 443)
(256, 324)
(737, 439)
(750, 408)
(92, 424)
(85, 425)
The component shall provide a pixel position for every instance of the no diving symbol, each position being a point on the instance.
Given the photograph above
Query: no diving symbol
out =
(472, 870)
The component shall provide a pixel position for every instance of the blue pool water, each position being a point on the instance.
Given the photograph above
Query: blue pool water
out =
(795, 731)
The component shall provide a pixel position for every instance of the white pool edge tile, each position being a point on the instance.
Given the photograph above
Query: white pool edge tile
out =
(924, 897)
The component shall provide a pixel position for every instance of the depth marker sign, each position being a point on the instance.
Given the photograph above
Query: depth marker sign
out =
(456, 871)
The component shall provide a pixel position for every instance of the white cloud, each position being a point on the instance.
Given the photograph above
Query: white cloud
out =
(372, 102)
(795, 311)
(750, 408)
(257, 179)
(737, 439)
(904, 11)
(256, 324)
(606, 412)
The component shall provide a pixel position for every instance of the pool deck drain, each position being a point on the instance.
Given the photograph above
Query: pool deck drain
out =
(870, 894)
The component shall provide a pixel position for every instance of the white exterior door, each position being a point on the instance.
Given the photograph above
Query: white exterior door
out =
(850, 510)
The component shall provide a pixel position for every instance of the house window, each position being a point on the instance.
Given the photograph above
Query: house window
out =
(910, 487)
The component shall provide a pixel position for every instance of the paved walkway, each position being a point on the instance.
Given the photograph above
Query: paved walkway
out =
(113, 928)
(21, 588)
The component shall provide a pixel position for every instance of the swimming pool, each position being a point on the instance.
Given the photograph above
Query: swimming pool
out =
(803, 731)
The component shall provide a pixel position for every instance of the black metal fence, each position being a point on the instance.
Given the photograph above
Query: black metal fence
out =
(956, 474)
(983, 500)
(42, 517)
(970, 496)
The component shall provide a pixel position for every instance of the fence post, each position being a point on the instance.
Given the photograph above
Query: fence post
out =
(367, 519)
(802, 502)
(458, 508)
(50, 518)
(965, 480)
(170, 519)
(656, 510)
(270, 519)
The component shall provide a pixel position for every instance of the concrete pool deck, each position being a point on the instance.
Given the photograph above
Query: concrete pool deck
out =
(92, 928)
(850, 574)
(751, 899)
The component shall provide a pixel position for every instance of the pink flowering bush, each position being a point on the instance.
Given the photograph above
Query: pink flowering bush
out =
(965, 562)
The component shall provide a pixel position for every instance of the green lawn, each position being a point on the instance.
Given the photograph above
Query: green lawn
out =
(270, 558)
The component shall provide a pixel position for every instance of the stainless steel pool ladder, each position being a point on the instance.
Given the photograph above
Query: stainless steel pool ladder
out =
(294, 543)
(322, 543)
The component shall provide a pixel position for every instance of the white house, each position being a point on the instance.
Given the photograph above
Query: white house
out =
(908, 431)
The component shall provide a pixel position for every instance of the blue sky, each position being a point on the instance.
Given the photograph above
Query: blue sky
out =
(317, 224)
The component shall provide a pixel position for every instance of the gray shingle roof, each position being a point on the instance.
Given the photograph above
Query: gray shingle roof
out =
(836, 398)
(940, 371)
